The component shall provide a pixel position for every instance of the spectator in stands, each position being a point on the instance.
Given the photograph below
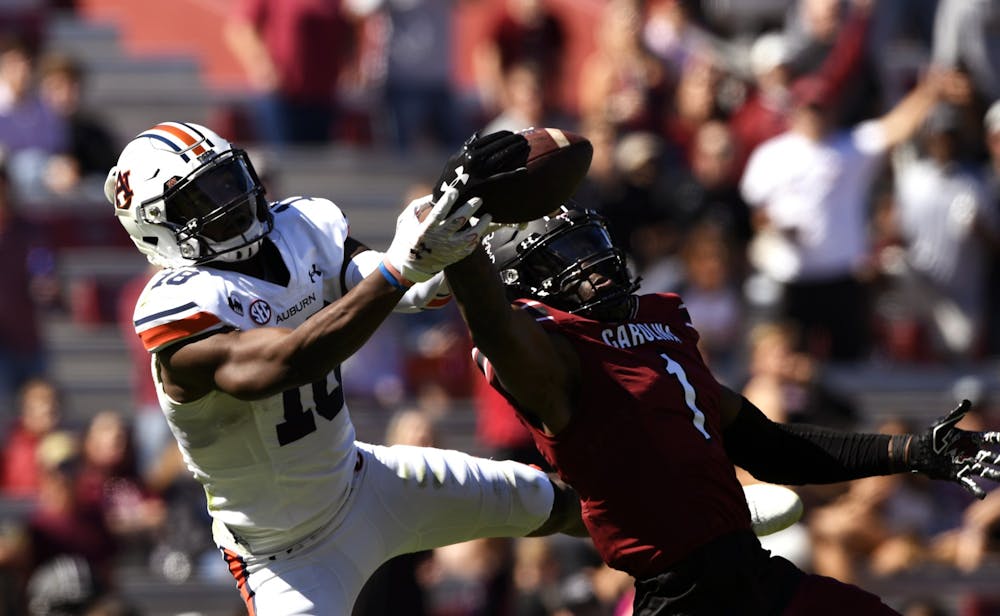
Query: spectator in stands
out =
(182, 548)
(809, 191)
(28, 283)
(694, 104)
(564, 577)
(523, 32)
(60, 528)
(708, 189)
(621, 81)
(711, 293)
(899, 44)
(879, 526)
(91, 147)
(293, 53)
(788, 385)
(991, 130)
(765, 113)
(965, 37)
(949, 231)
(523, 101)
(40, 413)
(603, 183)
(419, 93)
(638, 211)
(671, 34)
(811, 30)
(978, 537)
(107, 482)
(30, 130)
(535, 576)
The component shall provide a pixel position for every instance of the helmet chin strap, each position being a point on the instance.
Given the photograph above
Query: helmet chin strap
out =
(610, 309)
(242, 253)
(248, 249)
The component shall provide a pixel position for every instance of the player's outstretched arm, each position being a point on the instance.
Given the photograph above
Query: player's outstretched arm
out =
(261, 362)
(531, 365)
(798, 454)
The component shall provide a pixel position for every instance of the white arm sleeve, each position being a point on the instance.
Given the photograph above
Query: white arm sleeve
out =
(429, 295)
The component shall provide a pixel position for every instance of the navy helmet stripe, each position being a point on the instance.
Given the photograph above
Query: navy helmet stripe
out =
(194, 130)
(173, 145)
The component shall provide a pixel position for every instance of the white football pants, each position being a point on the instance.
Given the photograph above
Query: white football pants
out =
(404, 499)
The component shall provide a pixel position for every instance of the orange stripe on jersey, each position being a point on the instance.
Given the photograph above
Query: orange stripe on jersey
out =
(185, 137)
(238, 568)
(155, 337)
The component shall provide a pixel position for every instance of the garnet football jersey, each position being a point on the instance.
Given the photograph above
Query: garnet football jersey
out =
(644, 446)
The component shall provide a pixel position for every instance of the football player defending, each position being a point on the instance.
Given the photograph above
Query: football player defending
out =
(247, 324)
(620, 402)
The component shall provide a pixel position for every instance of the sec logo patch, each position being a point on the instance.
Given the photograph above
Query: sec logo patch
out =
(260, 312)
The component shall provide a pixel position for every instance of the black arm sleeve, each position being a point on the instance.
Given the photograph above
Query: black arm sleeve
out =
(796, 454)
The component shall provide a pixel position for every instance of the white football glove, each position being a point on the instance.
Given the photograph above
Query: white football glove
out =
(425, 245)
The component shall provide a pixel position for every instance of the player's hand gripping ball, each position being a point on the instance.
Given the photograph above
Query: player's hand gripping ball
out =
(519, 176)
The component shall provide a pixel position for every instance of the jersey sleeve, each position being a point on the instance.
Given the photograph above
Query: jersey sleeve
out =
(177, 305)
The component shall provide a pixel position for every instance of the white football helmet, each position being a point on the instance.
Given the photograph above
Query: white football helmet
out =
(187, 196)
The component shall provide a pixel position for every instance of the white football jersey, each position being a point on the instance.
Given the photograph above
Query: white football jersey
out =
(277, 469)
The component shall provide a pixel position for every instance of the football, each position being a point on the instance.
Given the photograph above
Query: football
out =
(772, 507)
(558, 161)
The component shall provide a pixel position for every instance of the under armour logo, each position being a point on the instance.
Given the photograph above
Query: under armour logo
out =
(314, 273)
(418, 250)
(460, 177)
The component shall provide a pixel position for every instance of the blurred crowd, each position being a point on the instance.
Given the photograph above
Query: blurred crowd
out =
(819, 179)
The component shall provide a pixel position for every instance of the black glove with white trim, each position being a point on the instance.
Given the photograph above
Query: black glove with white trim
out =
(945, 452)
(483, 159)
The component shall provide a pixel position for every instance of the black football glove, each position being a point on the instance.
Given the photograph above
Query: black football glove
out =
(945, 452)
(483, 159)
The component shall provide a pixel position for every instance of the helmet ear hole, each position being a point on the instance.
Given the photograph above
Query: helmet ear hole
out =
(509, 276)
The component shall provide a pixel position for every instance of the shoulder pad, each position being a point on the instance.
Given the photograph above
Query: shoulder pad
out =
(178, 304)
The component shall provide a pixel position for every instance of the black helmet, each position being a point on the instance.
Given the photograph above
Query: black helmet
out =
(550, 257)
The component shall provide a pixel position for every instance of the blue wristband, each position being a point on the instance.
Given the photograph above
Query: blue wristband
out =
(390, 278)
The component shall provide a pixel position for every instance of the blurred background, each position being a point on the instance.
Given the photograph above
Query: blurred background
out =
(819, 179)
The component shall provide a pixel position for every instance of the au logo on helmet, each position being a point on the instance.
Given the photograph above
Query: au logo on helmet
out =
(123, 191)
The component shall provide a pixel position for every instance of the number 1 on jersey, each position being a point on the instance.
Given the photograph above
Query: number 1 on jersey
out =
(689, 394)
